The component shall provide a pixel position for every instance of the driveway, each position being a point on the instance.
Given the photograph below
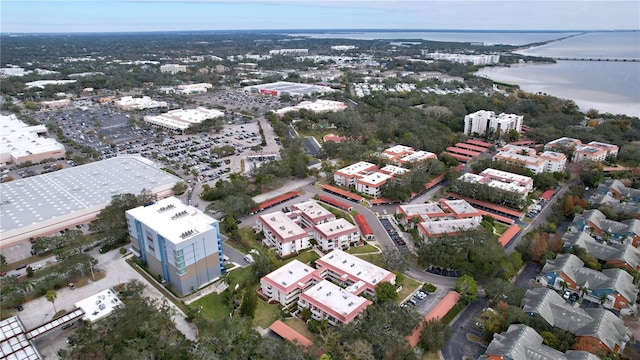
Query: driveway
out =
(458, 346)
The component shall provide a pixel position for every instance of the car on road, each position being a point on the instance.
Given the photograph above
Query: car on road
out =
(20, 267)
(36, 267)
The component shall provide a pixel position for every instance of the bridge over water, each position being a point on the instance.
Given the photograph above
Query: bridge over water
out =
(597, 59)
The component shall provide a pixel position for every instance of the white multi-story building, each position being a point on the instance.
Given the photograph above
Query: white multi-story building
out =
(285, 284)
(312, 213)
(593, 151)
(177, 242)
(501, 180)
(333, 303)
(283, 233)
(318, 106)
(289, 52)
(347, 176)
(481, 121)
(372, 184)
(198, 88)
(173, 68)
(337, 234)
(547, 161)
(480, 59)
(357, 275)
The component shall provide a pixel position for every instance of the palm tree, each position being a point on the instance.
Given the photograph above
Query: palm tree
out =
(51, 297)
(564, 285)
(584, 290)
(603, 299)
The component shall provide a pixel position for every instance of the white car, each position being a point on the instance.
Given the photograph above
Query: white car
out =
(36, 267)
(567, 295)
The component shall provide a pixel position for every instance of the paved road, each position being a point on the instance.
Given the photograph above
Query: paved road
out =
(458, 346)
(542, 216)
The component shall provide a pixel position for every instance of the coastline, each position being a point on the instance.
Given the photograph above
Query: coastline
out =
(586, 99)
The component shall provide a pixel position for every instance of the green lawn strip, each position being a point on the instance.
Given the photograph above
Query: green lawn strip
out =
(301, 327)
(363, 249)
(266, 314)
(375, 259)
(500, 228)
(409, 286)
(214, 306)
(338, 213)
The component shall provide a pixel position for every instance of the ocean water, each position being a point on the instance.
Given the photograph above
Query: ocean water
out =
(497, 37)
(612, 87)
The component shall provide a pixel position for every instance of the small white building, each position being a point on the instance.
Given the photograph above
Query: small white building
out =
(173, 68)
(181, 119)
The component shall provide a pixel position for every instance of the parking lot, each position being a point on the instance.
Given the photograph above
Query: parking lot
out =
(395, 235)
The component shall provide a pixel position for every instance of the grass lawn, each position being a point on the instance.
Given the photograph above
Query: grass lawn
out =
(304, 257)
(375, 259)
(300, 326)
(266, 314)
(362, 249)
(239, 276)
(500, 228)
(409, 286)
(214, 307)
(430, 356)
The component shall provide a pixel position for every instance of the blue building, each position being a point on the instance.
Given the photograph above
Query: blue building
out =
(178, 242)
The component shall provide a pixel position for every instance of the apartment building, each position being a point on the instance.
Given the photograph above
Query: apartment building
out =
(547, 161)
(501, 180)
(285, 284)
(333, 303)
(178, 242)
(593, 151)
(372, 184)
(357, 275)
(283, 233)
(336, 234)
(483, 120)
(347, 176)
(311, 213)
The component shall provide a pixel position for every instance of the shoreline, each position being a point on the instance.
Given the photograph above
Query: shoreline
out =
(585, 99)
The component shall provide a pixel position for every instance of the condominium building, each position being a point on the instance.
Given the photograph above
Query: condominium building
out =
(289, 52)
(372, 184)
(173, 68)
(329, 301)
(357, 275)
(285, 284)
(479, 59)
(503, 180)
(312, 213)
(447, 217)
(337, 234)
(283, 233)
(178, 242)
(548, 161)
(483, 120)
(331, 291)
(347, 176)
(593, 151)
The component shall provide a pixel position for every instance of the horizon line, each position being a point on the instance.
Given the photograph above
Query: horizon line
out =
(313, 31)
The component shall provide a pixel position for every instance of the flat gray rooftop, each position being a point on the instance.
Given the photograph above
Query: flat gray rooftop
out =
(47, 196)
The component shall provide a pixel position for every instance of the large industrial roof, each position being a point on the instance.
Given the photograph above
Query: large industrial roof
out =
(48, 196)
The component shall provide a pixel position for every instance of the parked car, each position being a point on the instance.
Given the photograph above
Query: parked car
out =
(20, 267)
(567, 295)
(36, 267)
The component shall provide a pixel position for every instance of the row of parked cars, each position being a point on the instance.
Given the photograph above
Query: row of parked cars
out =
(417, 297)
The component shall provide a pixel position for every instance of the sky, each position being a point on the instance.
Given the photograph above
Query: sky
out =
(31, 16)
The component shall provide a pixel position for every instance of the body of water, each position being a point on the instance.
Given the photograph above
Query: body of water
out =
(612, 87)
(505, 38)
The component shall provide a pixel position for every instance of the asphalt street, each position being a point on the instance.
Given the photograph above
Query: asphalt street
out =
(458, 345)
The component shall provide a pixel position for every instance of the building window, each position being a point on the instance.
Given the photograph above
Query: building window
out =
(180, 265)
(182, 271)
(151, 248)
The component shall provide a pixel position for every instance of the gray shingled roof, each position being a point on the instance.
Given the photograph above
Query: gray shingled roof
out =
(563, 263)
(606, 327)
(599, 323)
(603, 251)
(554, 310)
(622, 282)
(523, 343)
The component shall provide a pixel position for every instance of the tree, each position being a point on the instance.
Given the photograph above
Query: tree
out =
(467, 288)
(386, 292)
(433, 335)
(179, 188)
(249, 303)
(51, 297)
